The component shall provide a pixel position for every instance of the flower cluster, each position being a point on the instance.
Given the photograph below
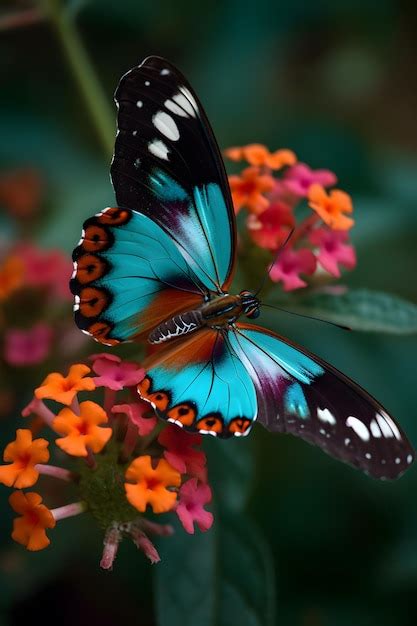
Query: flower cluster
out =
(35, 317)
(282, 195)
(122, 460)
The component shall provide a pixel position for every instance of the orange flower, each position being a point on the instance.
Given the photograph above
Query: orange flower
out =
(331, 207)
(11, 276)
(151, 484)
(63, 389)
(29, 529)
(248, 188)
(82, 431)
(257, 154)
(24, 454)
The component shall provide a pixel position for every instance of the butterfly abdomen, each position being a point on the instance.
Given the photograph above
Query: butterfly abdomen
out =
(216, 313)
(176, 326)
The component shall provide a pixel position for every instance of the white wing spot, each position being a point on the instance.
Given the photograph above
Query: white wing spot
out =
(327, 416)
(368, 455)
(174, 108)
(358, 427)
(398, 460)
(322, 431)
(347, 441)
(384, 426)
(147, 83)
(392, 425)
(158, 149)
(134, 133)
(139, 104)
(209, 432)
(166, 125)
(164, 72)
(184, 103)
(137, 163)
(409, 459)
(375, 430)
(187, 93)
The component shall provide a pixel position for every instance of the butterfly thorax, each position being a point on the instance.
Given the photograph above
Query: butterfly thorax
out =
(218, 313)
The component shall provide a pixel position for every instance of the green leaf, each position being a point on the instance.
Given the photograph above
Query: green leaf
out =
(231, 467)
(361, 309)
(215, 578)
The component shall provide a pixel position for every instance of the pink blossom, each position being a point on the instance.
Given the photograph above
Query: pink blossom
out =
(270, 228)
(192, 498)
(333, 250)
(136, 413)
(290, 264)
(114, 373)
(28, 347)
(180, 452)
(46, 268)
(299, 178)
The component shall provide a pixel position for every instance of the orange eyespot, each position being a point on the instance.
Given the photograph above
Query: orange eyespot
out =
(93, 301)
(114, 216)
(144, 387)
(160, 399)
(100, 331)
(183, 413)
(90, 268)
(239, 425)
(210, 423)
(96, 238)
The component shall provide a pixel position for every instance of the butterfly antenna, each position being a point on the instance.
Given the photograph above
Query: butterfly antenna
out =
(309, 317)
(274, 260)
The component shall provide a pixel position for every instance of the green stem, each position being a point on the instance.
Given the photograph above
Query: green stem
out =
(83, 71)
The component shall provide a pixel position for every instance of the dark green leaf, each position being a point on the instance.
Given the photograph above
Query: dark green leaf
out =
(230, 471)
(361, 309)
(216, 578)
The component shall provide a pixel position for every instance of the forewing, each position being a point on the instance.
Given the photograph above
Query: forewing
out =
(300, 394)
(167, 165)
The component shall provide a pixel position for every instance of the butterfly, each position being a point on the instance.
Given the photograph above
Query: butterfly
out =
(159, 266)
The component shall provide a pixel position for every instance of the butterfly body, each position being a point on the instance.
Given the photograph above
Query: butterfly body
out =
(218, 312)
(159, 268)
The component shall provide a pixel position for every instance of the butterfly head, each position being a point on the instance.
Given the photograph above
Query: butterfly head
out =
(250, 304)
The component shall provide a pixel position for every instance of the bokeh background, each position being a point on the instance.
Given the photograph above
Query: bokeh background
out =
(310, 541)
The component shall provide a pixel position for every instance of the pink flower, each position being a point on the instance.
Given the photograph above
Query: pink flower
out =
(135, 412)
(114, 373)
(333, 250)
(270, 229)
(28, 347)
(299, 178)
(46, 268)
(180, 452)
(290, 264)
(192, 498)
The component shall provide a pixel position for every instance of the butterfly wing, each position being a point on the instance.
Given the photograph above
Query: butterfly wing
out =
(128, 277)
(167, 165)
(300, 394)
(199, 384)
(174, 239)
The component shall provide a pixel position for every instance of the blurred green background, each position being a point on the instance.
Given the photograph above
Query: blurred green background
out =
(305, 541)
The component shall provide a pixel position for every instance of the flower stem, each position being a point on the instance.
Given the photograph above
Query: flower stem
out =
(83, 71)
(56, 472)
(69, 510)
(111, 545)
(130, 440)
